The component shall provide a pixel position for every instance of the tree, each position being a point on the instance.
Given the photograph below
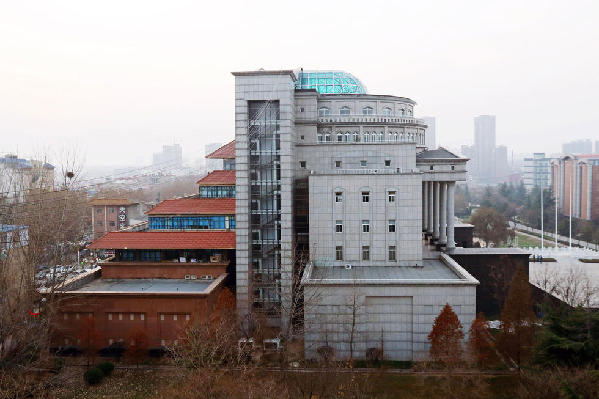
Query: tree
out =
(446, 338)
(517, 321)
(480, 343)
(490, 226)
(138, 345)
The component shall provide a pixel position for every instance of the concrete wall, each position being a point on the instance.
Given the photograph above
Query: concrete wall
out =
(403, 314)
(406, 211)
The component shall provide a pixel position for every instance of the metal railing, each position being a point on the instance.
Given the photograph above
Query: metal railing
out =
(360, 118)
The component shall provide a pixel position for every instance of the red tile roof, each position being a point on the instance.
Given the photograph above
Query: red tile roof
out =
(218, 178)
(166, 240)
(195, 206)
(227, 151)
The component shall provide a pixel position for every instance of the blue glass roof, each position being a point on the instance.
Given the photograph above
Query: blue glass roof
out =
(330, 82)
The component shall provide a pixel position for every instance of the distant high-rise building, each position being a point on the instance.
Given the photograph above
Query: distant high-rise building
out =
(484, 147)
(537, 171)
(502, 168)
(597, 147)
(213, 164)
(171, 156)
(578, 147)
(431, 136)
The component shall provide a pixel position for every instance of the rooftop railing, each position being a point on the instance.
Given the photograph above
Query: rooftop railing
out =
(360, 118)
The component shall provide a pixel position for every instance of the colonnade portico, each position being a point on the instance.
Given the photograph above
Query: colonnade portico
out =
(438, 211)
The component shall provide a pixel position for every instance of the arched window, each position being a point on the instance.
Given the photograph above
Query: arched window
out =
(339, 136)
(402, 112)
(327, 137)
(319, 137)
(366, 137)
(324, 111)
(387, 111)
(344, 111)
(395, 136)
(381, 136)
(409, 112)
(367, 111)
(356, 137)
(347, 136)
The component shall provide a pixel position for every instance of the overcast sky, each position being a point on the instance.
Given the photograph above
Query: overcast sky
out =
(120, 78)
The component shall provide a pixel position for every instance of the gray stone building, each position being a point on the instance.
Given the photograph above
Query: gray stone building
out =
(327, 170)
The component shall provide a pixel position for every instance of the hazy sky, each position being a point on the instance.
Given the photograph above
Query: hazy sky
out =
(120, 78)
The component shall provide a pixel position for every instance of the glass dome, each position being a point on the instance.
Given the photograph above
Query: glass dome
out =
(330, 82)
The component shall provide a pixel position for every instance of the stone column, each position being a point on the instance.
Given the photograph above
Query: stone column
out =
(450, 215)
(424, 206)
(436, 211)
(429, 226)
(443, 215)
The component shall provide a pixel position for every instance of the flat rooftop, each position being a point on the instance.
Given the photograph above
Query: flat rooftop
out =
(487, 251)
(433, 271)
(147, 286)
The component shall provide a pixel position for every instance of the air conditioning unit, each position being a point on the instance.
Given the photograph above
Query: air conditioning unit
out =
(348, 266)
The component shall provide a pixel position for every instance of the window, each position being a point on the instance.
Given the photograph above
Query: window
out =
(431, 167)
(381, 136)
(339, 226)
(367, 111)
(337, 164)
(339, 252)
(452, 167)
(391, 226)
(339, 137)
(366, 137)
(365, 252)
(391, 196)
(100, 223)
(323, 111)
(347, 136)
(387, 111)
(303, 164)
(365, 196)
(302, 137)
(402, 111)
(301, 109)
(111, 210)
(365, 226)
(387, 162)
(344, 111)
(338, 196)
(319, 137)
(112, 223)
(327, 137)
(99, 210)
(363, 163)
(356, 137)
(392, 253)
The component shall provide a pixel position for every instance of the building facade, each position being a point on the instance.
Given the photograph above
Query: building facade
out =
(171, 156)
(326, 169)
(431, 132)
(537, 171)
(484, 147)
(577, 147)
(113, 214)
(575, 183)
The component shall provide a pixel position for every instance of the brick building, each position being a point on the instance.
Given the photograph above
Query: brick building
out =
(158, 280)
(575, 182)
(112, 214)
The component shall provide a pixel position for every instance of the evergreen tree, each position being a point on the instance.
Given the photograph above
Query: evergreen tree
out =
(446, 338)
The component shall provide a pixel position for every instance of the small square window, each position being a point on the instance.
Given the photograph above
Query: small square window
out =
(301, 109)
(303, 164)
(175, 317)
(302, 137)
(338, 252)
(365, 253)
(363, 163)
(365, 226)
(391, 196)
(131, 316)
(339, 196)
(431, 167)
(365, 196)
(337, 164)
(387, 162)
(391, 226)
(452, 167)
(339, 226)
(392, 253)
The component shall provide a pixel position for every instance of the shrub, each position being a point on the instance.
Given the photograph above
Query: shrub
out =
(93, 376)
(106, 367)
(156, 352)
